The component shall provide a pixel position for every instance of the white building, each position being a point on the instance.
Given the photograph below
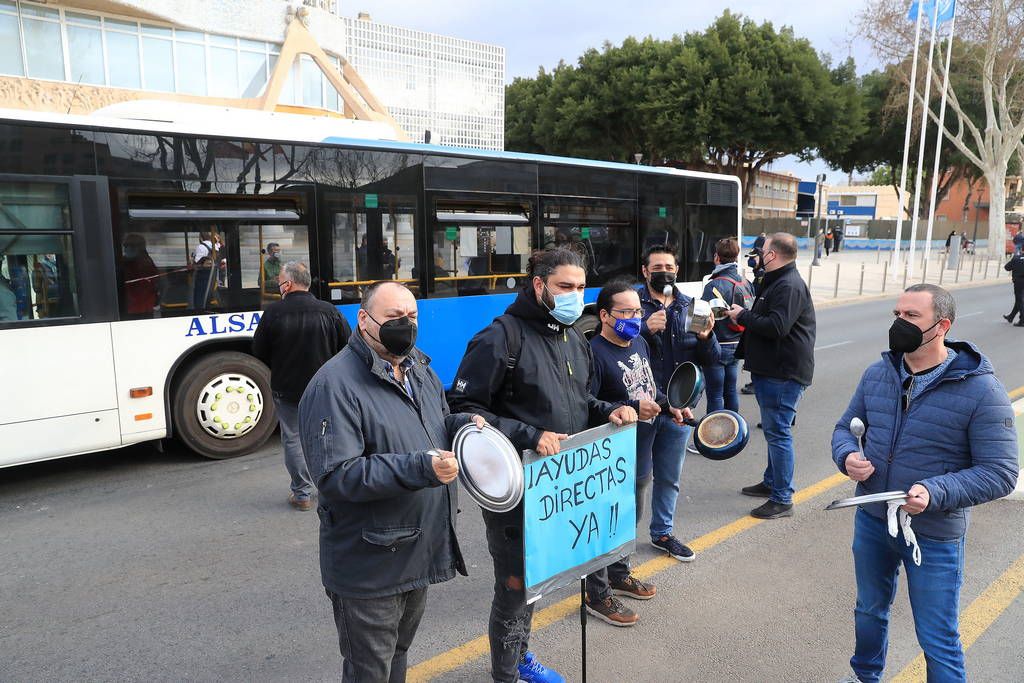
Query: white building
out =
(83, 55)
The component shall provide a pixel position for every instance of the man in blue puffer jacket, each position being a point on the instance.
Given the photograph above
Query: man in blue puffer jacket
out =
(939, 427)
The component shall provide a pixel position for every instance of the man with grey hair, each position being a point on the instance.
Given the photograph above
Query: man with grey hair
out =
(939, 428)
(295, 336)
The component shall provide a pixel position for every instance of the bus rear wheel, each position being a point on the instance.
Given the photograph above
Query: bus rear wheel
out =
(222, 405)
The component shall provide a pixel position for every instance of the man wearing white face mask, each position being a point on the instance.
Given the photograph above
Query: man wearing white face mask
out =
(528, 374)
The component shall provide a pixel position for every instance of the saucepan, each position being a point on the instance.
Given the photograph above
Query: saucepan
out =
(720, 434)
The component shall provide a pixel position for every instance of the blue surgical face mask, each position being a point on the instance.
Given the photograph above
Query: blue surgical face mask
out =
(568, 307)
(627, 328)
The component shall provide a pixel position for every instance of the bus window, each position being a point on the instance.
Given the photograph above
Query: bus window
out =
(373, 237)
(179, 260)
(37, 274)
(602, 232)
(479, 247)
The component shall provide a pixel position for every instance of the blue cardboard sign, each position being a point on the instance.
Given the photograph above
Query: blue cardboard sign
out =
(579, 508)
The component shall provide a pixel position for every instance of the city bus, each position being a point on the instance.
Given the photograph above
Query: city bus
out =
(136, 256)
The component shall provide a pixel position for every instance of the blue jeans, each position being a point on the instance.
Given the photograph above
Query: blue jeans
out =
(294, 462)
(669, 452)
(720, 381)
(778, 399)
(934, 590)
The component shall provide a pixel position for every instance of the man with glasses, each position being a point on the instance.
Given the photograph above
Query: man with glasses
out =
(940, 428)
(294, 338)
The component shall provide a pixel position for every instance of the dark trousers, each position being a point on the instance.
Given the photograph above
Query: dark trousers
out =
(374, 634)
(1018, 298)
(511, 618)
(599, 583)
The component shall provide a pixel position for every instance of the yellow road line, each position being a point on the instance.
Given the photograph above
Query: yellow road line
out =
(478, 647)
(977, 618)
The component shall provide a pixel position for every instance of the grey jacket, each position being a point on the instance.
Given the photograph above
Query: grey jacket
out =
(387, 525)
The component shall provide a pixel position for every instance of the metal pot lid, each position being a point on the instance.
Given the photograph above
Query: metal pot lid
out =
(490, 468)
(884, 497)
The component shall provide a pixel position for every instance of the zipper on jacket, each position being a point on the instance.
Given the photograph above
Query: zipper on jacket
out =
(323, 427)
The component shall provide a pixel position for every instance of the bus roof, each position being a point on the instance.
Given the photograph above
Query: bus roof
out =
(234, 124)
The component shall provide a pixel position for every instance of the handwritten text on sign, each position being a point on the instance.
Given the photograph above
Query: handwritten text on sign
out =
(580, 507)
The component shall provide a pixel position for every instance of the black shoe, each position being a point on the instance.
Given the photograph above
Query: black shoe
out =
(758, 490)
(772, 510)
(747, 389)
(1009, 318)
(1019, 323)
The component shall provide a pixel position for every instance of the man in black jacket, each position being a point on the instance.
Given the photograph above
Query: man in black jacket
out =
(777, 348)
(528, 373)
(1016, 267)
(376, 432)
(294, 338)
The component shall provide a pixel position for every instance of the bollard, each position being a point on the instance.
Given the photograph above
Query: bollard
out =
(956, 278)
(878, 255)
(885, 273)
(810, 277)
(974, 262)
(924, 272)
(835, 292)
(860, 290)
(942, 271)
(906, 271)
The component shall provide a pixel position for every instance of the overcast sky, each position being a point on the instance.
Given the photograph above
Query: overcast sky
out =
(536, 33)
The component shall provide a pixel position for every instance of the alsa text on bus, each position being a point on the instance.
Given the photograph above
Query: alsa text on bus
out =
(219, 324)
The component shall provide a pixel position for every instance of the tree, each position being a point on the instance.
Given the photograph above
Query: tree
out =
(883, 95)
(988, 51)
(731, 99)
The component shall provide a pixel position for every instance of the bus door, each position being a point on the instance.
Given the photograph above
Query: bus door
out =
(57, 298)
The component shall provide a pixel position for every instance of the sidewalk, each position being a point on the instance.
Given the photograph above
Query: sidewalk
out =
(850, 276)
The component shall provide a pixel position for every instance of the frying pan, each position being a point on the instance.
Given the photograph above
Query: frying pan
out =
(720, 434)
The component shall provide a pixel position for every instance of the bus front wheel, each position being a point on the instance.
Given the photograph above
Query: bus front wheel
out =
(222, 405)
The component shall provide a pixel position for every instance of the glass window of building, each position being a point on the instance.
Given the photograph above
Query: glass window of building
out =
(123, 59)
(190, 68)
(158, 63)
(223, 69)
(85, 54)
(10, 41)
(44, 49)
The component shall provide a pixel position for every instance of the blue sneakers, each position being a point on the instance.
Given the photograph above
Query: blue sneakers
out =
(532, 671)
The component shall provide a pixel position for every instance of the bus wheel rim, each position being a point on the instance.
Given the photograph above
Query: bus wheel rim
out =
(229, 406)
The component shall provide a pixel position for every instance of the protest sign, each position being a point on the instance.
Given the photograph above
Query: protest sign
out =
(579, 508)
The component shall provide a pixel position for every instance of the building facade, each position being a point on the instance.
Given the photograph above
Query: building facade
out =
(774, 195)
(79, 56)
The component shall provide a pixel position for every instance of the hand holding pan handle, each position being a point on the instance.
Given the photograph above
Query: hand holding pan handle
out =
(719, 435)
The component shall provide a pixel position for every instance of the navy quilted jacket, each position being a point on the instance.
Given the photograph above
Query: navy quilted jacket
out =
(957, 439)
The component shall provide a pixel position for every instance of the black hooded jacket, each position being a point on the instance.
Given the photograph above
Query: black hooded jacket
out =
(547, 391)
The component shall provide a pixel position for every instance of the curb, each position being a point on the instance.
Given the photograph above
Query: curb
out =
(831, 303)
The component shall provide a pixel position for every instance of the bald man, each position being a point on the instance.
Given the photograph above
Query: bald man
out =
(777, 348)
(376, 432)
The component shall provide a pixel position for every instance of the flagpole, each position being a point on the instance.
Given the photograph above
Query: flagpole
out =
(901, 197)
(938, 139)
(914, 220)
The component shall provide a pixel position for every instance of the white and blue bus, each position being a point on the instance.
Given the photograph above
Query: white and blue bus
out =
(117, 327)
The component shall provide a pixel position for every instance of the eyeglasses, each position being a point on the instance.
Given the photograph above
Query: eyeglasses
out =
(631, 312)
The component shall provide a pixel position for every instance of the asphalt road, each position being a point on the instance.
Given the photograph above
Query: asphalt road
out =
(136, 564)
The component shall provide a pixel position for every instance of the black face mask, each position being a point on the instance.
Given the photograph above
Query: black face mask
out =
(660, 279)
(906, 337)
(398, 336)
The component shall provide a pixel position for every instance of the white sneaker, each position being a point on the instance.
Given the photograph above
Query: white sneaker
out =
(851, 678)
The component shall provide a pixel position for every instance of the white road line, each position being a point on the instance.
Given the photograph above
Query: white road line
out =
(968, 315)
(832, 346)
